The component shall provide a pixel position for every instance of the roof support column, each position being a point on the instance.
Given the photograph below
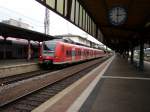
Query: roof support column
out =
(132, 55)
(141, 59)
(4, 47)
(39, 49)
(29, 51)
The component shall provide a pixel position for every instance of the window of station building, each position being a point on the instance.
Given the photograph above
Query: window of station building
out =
(73, 11)
(83, 22)
(77, 13)
(80, 20)
(51, 3)
(65, 10)
(86, 26)
(60, 6)
(89, 25)
(87, 22)
(94, 29)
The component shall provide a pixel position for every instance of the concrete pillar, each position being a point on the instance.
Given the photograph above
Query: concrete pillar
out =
(29, 51)
(4, 47)
(132, 55)
(39, 49)
(141, 59)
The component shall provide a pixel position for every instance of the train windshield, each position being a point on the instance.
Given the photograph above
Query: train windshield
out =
(49, 47)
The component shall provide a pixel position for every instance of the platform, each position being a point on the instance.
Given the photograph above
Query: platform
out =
(114, 86)
(122, 88)
(11, 62)
(17, 66)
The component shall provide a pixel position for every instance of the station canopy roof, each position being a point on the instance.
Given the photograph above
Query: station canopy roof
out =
(136, 27)
(17, 32)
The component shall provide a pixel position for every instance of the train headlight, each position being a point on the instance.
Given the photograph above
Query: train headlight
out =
(56, 57)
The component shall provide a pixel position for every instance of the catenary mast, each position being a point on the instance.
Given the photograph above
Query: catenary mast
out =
(46, 21)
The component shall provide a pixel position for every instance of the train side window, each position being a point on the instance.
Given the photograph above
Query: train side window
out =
(62, 48)
(79, 53)
(67, 53)
(70, 53)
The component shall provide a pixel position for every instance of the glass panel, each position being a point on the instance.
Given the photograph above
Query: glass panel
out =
(83, 19)
(66, 2)
(91, 28)
(80, 21)
(72, 10)
(77, 12)
(86, 22)
(51, 3)
(49, 45)
(89, 25)
(93, 32)
(60, 4)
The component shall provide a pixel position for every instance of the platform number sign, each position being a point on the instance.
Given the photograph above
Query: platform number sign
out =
(117, 15)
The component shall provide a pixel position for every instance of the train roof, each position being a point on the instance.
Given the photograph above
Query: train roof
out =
(70, 42)
(67, 40)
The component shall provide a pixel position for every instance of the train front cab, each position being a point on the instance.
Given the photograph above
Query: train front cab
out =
(47, 53)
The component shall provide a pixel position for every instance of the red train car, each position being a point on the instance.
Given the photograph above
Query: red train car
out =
(58, 51)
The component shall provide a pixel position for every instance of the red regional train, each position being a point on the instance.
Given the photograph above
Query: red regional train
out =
(61, 51)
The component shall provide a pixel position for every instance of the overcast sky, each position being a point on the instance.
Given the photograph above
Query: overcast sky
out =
(31, 12)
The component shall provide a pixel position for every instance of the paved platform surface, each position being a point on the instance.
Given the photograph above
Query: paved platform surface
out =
(12, 62)
(122, 88)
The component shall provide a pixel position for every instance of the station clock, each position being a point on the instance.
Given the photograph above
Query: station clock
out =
(117, 15)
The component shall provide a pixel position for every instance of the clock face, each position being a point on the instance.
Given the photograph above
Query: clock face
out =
(117, 16)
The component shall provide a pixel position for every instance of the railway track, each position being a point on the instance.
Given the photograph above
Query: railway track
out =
(55, 85)
(19, 77)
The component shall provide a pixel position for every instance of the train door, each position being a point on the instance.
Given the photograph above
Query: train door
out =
(73, 54)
